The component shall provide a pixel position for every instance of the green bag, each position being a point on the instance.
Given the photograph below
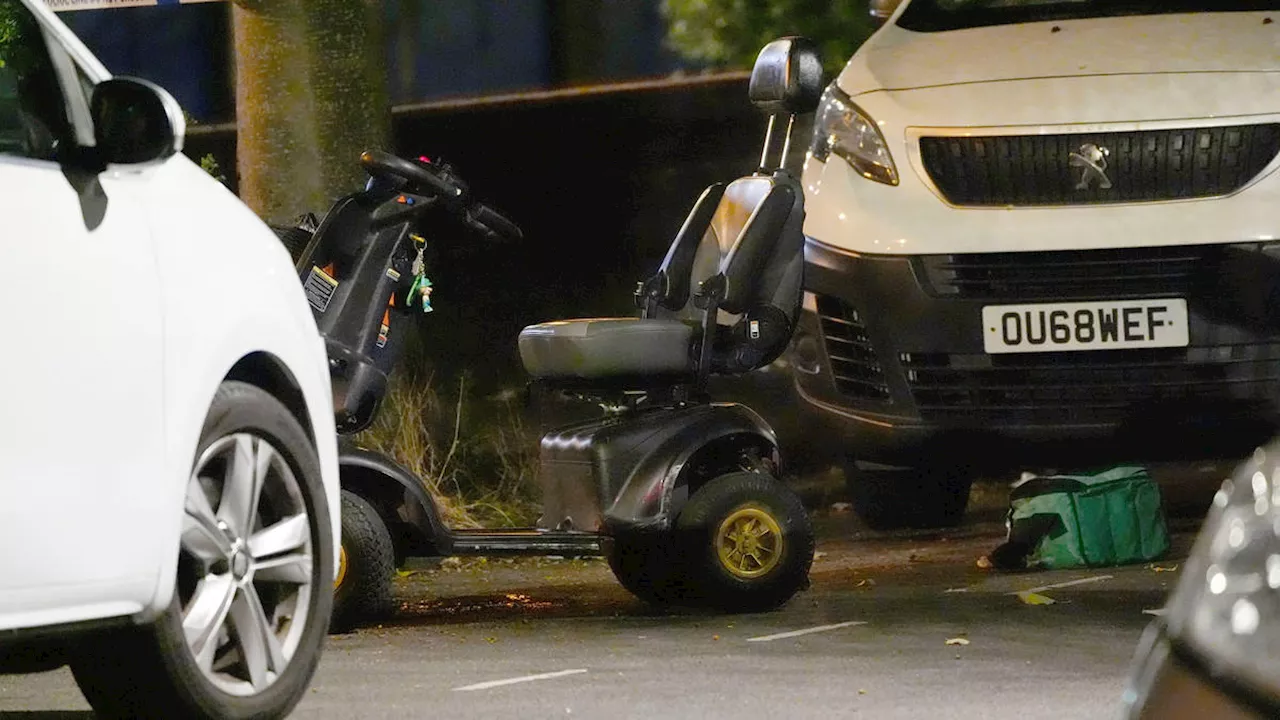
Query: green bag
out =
(1114, 517)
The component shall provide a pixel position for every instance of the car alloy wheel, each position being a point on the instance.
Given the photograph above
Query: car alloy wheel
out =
(245, 581)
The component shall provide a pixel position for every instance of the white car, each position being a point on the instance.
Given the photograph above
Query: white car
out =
(1043, 233)
(168, 462)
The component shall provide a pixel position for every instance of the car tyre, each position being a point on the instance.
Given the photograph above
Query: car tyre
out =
(366, 565)
(256, 557)
(747, 541)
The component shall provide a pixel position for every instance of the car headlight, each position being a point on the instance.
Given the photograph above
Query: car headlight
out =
(1226, 607)
(841, 128)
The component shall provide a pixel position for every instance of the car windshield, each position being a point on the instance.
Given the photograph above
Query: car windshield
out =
(942, 15)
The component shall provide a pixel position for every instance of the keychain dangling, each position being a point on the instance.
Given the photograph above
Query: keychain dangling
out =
(421, 285)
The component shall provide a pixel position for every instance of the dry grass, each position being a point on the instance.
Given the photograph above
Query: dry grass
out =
(473, 454)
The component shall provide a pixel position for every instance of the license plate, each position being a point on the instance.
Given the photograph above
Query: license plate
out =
(1060, 327)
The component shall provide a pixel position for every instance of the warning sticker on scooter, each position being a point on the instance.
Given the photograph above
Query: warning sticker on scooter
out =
(320, 287)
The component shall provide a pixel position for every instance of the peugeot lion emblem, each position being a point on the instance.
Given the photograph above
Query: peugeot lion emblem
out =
(1092, 161)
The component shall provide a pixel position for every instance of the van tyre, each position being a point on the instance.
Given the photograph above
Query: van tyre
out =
(747, 544)
(367, 564)
(915, 498)
(245, 627)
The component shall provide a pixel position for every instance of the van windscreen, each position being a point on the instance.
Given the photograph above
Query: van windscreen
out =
(942, 15)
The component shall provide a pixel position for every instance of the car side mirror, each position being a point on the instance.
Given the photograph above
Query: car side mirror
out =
(882, 10)
(135, 122)
(787, 78)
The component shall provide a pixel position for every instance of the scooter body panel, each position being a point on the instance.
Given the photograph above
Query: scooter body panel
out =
(635, 470)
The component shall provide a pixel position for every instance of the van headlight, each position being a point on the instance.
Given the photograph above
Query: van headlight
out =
(1226, 607)
(841, 128)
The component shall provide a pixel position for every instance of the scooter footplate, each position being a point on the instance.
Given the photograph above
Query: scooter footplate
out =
(525, 542)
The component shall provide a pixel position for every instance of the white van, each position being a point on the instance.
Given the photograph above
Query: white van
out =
(1043, 232)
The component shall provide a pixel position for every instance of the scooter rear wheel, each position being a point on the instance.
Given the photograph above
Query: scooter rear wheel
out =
(362, 591)
(747, 543)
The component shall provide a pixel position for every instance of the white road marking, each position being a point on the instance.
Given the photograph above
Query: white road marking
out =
(513, 681)
(1157, 612)
(1055, 586)
(806, 631)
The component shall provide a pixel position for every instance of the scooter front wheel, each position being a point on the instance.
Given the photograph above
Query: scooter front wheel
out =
(747, 541)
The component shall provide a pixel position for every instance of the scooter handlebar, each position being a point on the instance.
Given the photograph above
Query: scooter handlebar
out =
(495, 222)
(479, 216)
(388, 164)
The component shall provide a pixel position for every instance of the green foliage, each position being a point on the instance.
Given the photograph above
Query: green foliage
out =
(209, 164)
(16, 30)
(730, 33)
(473, 452)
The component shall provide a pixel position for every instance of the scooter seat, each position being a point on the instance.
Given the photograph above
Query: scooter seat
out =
(600, 348)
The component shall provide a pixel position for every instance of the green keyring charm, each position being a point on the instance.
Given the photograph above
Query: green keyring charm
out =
(421, 286)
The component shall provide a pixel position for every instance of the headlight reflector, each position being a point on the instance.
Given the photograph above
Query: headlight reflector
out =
(842, 129)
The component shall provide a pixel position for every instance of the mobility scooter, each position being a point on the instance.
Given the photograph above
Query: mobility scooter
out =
(679, 493)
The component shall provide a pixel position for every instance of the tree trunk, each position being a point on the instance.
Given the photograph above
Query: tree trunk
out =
(310, 96)
(349, 75)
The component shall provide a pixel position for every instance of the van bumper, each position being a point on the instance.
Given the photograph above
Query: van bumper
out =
(890, 355)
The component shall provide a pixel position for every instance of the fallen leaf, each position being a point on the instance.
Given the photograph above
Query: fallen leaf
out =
(715, 637)
(984, 562)
(862, 692)
(1161, 568)
(958, 641)
(1031, 598)
(818, 554)
(841, 507)
(865, 582)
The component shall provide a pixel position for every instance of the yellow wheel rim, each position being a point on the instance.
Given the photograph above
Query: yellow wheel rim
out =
(749, 542)
(342, 568)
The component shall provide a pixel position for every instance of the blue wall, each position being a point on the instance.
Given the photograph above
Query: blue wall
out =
(464, 48)
(184, 48)
(434, 49)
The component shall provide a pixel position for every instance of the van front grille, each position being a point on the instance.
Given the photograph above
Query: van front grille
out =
(1093, 168)
(854, 363)
(1084, 387)
(1072, 274)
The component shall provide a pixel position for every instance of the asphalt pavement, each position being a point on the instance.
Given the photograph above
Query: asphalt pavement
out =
(894, 626)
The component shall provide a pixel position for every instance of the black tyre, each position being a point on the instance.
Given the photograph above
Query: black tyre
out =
(245, 628)
(925, 497)
(646, 565)
(747, 544)
(362, 591)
